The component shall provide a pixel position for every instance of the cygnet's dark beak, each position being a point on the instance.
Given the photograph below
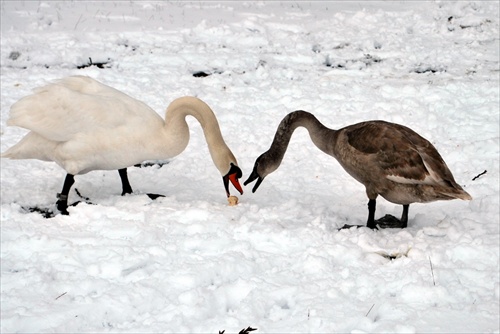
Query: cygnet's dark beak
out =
(254, 176)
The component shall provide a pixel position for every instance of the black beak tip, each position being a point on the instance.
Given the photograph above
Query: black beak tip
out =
(254, 176)
(257, 184)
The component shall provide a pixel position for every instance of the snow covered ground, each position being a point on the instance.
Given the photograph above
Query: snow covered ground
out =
(188, 262)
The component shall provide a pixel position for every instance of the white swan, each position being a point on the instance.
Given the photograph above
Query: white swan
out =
(84, 125)
(390, 160)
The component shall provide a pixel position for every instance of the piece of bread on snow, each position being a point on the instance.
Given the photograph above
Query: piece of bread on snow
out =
(233, 200)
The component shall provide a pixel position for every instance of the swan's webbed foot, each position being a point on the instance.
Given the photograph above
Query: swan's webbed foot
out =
(62, 204)
(347, 226)
(389, 221)
(154, 196)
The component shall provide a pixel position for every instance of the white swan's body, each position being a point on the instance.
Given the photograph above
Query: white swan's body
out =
(84, 125)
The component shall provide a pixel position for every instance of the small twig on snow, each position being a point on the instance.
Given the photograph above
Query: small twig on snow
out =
(62, 294)
(369, 310)
(432, 271)
(479, 175)
(78, 22)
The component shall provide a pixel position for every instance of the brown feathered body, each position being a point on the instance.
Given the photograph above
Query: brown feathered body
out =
(395, 162)
(389, 159)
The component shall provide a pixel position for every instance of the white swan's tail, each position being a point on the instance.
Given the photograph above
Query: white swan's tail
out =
(32, 146)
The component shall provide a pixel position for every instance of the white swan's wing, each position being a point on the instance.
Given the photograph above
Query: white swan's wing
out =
(74, 105)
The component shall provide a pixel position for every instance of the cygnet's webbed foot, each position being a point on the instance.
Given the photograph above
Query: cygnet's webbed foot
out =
(347, 226)
(389, 221)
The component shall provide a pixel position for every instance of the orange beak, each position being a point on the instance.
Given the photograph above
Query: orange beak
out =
(234, 180)
(233, 176)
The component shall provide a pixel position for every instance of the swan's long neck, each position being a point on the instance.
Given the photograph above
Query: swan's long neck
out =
(321, 136)
(175, 123)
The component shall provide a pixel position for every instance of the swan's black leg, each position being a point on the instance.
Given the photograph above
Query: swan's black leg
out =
(372, 204)
(126, 188)
(62, 202)
(404, 216)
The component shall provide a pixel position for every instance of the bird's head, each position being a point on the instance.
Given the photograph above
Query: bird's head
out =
(265, 164)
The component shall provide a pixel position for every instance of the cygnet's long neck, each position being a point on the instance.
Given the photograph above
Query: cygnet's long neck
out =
(176, 126)
(321, 136)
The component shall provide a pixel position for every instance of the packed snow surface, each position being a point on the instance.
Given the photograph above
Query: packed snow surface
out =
(189, 262)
